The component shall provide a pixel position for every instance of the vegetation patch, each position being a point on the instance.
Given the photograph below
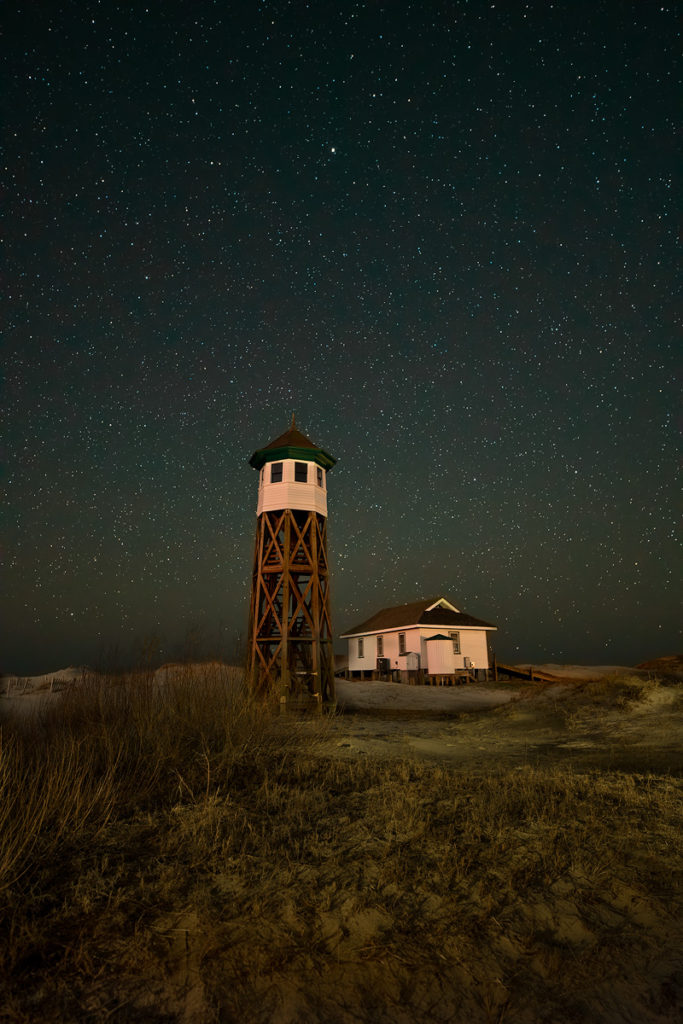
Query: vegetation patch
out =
(177, 852)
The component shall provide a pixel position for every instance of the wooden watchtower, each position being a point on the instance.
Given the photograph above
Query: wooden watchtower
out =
(289, 652)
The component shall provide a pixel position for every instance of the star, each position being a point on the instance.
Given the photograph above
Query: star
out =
(482, 338)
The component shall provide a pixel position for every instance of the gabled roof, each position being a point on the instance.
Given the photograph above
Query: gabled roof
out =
(431, 612)
(292, 445)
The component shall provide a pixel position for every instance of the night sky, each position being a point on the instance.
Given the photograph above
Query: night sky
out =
(442, 234)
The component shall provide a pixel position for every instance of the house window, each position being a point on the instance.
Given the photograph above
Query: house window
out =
(361, 653)
(276, 473)
(301, 472)
(455, 637)
(401, 643)
(319, 473)
(380, 646)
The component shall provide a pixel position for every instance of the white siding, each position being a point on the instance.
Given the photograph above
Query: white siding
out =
(412, 646)
(472, 645)
(369, 659)
(291, 494)
(440, 658)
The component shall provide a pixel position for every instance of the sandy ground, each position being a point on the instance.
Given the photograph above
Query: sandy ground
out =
(353, 695)
(521, 936)
(506, 723)
(513, 724)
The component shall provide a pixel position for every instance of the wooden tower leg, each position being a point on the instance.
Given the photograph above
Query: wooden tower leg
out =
(290, 638)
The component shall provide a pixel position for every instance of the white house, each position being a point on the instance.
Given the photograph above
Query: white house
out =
(430, 641)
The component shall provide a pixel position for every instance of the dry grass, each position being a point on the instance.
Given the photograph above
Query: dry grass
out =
(177, 853)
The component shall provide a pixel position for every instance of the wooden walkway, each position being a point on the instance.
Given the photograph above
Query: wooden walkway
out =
(530, 673)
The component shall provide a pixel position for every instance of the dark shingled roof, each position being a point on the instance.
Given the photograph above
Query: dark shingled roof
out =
(292, 445)
(415, 614)
(291, 438)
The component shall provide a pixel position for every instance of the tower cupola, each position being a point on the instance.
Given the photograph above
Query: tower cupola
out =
(292, 473)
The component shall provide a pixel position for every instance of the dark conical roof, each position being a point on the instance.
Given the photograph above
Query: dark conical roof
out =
(293, 436)
(292, 445)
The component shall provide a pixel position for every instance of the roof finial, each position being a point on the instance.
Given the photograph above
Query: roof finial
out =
(293, 423)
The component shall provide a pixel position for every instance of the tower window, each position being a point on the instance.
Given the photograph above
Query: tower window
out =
(276, 473)
(319, 474)
(301, 472)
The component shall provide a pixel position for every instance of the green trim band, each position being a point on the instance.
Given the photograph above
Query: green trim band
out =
(317, 455)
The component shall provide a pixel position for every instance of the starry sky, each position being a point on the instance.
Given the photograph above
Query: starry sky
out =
(442, 234)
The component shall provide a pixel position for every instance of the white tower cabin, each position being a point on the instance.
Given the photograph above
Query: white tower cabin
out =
(289, 652)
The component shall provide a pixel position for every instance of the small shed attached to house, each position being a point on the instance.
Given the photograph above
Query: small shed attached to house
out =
(424, 641)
